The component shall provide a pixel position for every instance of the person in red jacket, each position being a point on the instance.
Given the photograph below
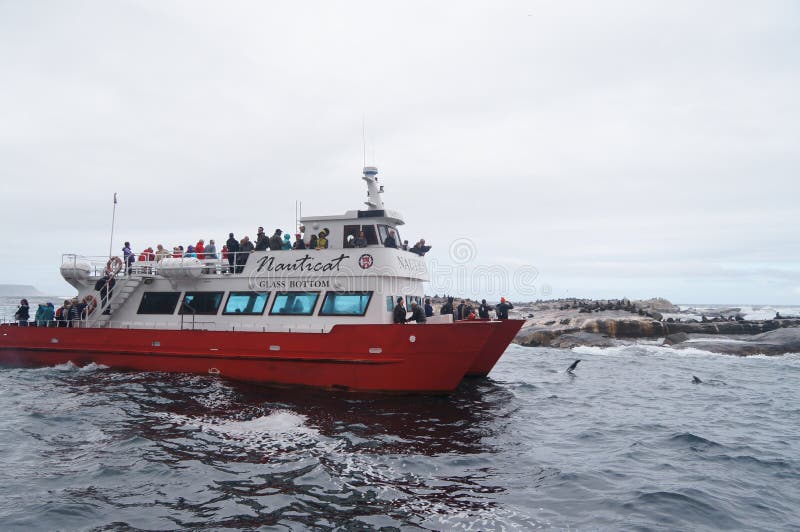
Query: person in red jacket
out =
(199, 249)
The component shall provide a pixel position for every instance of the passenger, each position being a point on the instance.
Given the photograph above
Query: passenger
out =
(74, 315)
(471, 315)
(232, 249)
(447, 308)
(262, 242)
(390, 241)
(360, 241)
(483, 310)
(312, 244)
(460, 315)
(417, 314)
(322, 241)
(405, 245)
(428, 308)
(287, 242)
(399, 311)
(502, 309)
(245, 248)
(176, 252)
(161, 253)
(62, 314)
(211, 250)
(50, 315)
(23, 313)
(190, 252)
(420, 248)
(276, 241)
(39, 317)
(128, 257)
(468, 309)
(200, 249)
(298, 242)
(105, 285)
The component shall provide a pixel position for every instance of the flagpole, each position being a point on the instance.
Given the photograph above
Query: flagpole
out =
(113, 216)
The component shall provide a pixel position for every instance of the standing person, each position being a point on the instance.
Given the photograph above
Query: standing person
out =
(105, 285)
(483, 310)
(276, 241)
(298, 242)
(460, 314)
(312, 244)
(405, 245)
(322, 240)
(245, 248)
(399, 311)
(49, 315)
(390, 241)
(428, 308)
(502, 309)
(39, 317)
(287, 242)
(128, 257)
(200, 249)
(447, 308)
(211, 250)
(417, 314)
(23, 313)
(468, 310)
(233, 248)
(161, 253)
(262, 242)
(62, 314)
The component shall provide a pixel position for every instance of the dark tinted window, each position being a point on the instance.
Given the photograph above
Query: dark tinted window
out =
(158, 302)
(246, 303)
(294, 303)
(370, 235)
(201, 302)
(345, 304)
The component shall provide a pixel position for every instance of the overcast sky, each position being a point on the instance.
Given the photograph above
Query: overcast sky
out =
(598, 149)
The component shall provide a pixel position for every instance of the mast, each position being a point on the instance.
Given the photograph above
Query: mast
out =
(374, 191)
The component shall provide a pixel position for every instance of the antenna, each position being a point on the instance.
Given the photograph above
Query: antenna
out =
(364, 135)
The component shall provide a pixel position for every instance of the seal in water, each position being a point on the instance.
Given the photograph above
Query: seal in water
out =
(696, 380)
(573, 366)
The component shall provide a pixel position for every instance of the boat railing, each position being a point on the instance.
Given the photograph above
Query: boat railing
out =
(172, 326)
(98, 265)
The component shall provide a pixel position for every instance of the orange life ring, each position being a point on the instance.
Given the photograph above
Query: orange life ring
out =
(91, 303)
(113, 266)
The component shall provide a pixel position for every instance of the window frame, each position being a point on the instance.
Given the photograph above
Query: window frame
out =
(287, 292)
(248, 292)
(170, 313)
(347, 293)
(193, 293)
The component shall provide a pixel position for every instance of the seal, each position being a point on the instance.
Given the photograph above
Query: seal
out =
(573, 366)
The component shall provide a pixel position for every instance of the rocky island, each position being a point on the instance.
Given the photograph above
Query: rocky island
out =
(568, 323)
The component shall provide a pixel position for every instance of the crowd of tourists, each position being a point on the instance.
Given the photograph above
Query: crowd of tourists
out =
(463, 311)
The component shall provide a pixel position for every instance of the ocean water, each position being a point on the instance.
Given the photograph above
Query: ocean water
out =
(628, 442)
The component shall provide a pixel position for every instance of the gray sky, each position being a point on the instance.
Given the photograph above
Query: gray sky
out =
(633, 148)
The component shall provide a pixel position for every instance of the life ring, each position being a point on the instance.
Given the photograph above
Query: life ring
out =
(91, 303)
(113, 266)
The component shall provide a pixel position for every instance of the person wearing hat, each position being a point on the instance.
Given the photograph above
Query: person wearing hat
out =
(502, 309)
(322, 240)
(298, 242)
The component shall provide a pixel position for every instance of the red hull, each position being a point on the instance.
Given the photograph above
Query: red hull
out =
(494, 347)
(435, 362)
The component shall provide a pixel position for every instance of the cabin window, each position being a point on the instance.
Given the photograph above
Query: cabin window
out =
(345, 303)
(246, 303)
(390, 303)
(370, 235)
(350, 234)
(294, 303)
(206, 303)
(158, 303)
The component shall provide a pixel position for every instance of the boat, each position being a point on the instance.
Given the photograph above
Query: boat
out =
(295, 317)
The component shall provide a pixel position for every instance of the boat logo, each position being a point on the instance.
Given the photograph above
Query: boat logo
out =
(365, 261)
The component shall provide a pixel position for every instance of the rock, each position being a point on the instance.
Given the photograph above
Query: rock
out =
(776, 342)
(676, 338)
